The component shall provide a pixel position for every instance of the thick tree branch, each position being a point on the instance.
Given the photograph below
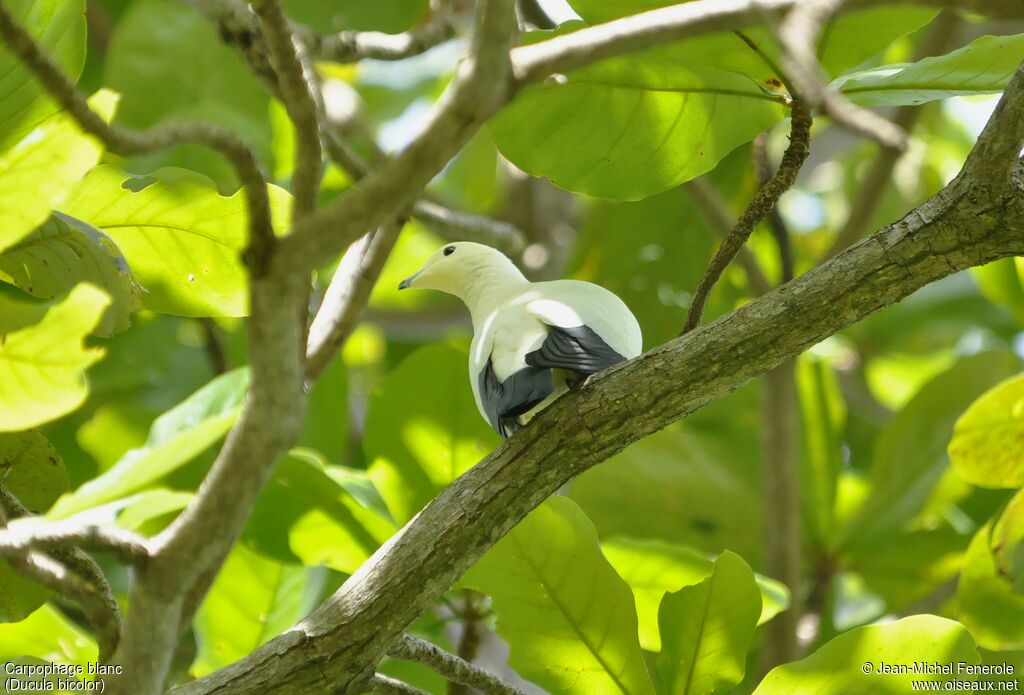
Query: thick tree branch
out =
(129, 141)
(450, 666)
(296, 85)
(346, 296)
(761, 205)
(971, 222)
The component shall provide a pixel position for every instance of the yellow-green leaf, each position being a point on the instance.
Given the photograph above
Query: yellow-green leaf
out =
(987, 448)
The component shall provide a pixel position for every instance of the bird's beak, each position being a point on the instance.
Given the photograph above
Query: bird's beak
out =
(408, 281)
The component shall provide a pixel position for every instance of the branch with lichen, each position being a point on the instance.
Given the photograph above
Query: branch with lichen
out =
(450, 666)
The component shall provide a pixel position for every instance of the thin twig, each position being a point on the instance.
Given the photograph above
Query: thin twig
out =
(296, 84)
(352, 46)
(35, 533)
(450, 666)
(130, 141)
(392, 686)
(213, 345)
(721, 220)
(457, 225)
(780, 231)
(792, 160)
(798, 36)
(346, 296)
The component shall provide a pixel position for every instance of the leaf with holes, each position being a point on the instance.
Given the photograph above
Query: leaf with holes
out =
(62, 253)
(706, 630)
(59, 27)
(42, 366)
(182, 239)
(567, 617)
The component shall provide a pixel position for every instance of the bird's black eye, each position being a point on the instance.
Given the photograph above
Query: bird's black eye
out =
(449, 250)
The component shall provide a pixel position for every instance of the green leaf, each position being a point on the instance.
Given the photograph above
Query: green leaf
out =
(1002, 282)
(59, 28)
(677, 486)
(32, 471)
(16, 313)
(838, 667)
(910, 454)
(654, 568)
(39, 172)
(318, 514)
(176, 437)
(982, 67)
(423, 429)
(706, 630)
(567, 617)
(42, 366)
(47, 635)
(987, 448)
(626, 129)
(170, 64)
(182, 239)
(151, 510)
(65, 251)
(253, 600)
(823, 415)
(987, 600)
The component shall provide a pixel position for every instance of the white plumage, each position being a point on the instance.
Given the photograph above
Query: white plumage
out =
(531, 340)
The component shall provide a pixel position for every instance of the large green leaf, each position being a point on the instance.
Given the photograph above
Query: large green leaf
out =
(567, 617)
(318, 515)
(59, 28)
(42, 366)
(47, 635)
(170, 64)
(823, 415)
(32, 471)
(982, 67)
(39, 172)
(65, 251)
(852, 663)
(910, 454)
(423, 429)
(253, 600)
(182, 239)
(676, 486)
(987, 447)
(990, 594)
(176, 437)
(706, 630)
(626, 129)
(653, 569)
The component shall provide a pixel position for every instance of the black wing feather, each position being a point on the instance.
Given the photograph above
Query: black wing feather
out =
(576, 349)
(505, 401)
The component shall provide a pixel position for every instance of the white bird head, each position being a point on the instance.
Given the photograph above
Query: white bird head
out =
(461, 267)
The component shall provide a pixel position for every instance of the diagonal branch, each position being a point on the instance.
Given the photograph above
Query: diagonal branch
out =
(346, 296)
(971, 222)
(761, 205)
(130, 141)
(450, 666)
(386, 685)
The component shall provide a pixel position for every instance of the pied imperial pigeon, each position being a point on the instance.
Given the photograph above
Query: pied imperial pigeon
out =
(531, 340)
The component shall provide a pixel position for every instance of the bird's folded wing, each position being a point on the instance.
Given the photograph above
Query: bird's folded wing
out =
(577, 349)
